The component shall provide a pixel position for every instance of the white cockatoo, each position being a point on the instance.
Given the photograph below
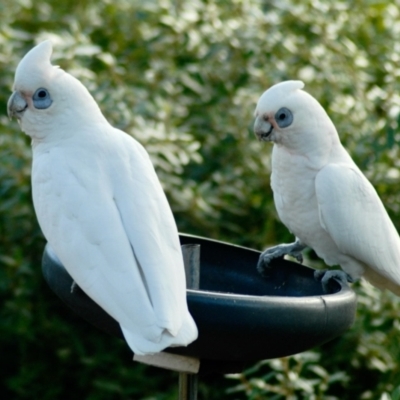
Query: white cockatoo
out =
(321, 195)
(101, 207)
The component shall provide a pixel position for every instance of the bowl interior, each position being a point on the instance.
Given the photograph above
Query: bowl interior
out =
(232, 269)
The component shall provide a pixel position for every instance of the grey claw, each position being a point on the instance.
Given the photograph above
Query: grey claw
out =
(292, 249)
(264, 261)
(325, 276)
(298, 257)
(74, 287)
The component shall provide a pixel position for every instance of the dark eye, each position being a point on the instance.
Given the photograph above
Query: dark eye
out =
(41, 99)
(284, 117)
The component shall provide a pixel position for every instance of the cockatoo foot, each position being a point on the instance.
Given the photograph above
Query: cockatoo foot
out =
(74, 287)
(291, 249)
(325, 276)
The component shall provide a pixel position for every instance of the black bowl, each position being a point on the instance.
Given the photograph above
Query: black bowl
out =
(242, 316)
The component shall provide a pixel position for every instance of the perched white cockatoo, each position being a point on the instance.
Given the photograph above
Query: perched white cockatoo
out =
(101, 207)
(321, 195)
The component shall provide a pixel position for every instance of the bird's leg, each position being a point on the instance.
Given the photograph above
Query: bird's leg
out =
(291, 249)
(325, 276)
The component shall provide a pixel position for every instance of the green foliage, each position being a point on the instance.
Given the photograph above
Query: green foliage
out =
(183, 78)
(395, 394)
(300, 376)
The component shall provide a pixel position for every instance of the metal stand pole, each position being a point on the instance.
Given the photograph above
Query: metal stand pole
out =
(188, 383)
(188, 386)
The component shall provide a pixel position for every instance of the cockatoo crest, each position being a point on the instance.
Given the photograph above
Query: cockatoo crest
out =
(279, 91)
(43, 91)
(35, 68)
(291, 117)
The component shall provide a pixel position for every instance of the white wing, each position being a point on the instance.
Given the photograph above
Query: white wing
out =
(354, 216)
(150, 226)
(108, 220)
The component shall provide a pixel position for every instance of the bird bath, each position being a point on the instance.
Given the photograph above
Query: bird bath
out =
(242, 317)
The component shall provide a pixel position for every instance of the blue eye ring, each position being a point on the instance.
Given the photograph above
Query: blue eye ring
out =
(284, 117)
(41, 99)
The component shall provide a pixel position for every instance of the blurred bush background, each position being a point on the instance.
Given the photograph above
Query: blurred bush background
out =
(183, 77)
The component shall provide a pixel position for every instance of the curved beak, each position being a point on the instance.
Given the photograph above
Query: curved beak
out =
(16, 105)
(262, 129)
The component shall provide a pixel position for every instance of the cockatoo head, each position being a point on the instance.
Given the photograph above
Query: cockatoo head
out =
(45, 97)
(288, 116)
